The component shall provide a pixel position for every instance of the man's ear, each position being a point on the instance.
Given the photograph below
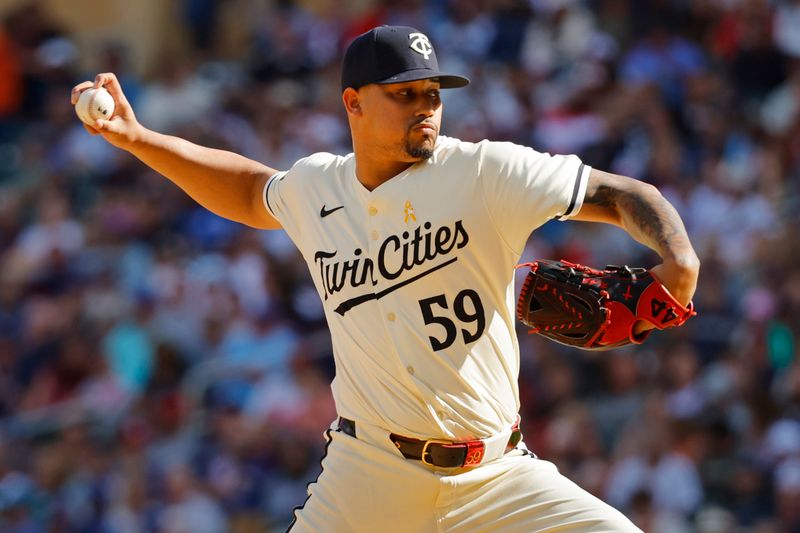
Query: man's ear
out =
(352, 102)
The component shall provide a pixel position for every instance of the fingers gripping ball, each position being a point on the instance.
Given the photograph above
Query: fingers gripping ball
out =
(595, 309)
(94, 104)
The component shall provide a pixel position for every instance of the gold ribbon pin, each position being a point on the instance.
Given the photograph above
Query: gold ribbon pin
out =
(409, 212)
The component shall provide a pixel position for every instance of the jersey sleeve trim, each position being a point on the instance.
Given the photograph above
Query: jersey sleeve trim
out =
(578, 193)
(265, 195)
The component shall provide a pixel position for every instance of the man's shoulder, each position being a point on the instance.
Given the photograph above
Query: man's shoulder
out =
(318, 170)
(451, 144)
(449, 147)
(321, 162)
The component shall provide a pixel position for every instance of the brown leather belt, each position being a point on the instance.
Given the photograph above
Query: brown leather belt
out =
(441, 453)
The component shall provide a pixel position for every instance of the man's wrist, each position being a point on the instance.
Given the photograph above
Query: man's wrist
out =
(679, 276)
(687, 264)
(136, 138)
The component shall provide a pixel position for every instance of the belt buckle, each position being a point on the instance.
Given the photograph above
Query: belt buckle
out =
(425, 449)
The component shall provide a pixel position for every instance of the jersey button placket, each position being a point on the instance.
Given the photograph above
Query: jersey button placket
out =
(372, 222)
(372, 211)
(375, 232)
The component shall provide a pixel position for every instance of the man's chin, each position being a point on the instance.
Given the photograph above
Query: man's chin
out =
(421, 150)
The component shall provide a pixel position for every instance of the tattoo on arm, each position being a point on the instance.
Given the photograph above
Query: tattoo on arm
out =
(644, 213)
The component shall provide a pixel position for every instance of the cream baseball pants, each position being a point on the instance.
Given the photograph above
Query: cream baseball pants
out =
(367, 486)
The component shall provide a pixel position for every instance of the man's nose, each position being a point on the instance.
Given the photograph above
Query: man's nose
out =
(426, 107)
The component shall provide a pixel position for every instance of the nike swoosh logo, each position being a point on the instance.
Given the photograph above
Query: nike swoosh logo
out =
(325, 212)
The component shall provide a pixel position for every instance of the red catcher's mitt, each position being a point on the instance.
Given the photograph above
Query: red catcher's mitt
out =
(595, 309)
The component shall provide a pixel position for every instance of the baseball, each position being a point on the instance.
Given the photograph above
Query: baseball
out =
(94, 104)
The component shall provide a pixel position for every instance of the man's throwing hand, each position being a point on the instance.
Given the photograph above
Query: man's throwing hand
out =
(122, 128)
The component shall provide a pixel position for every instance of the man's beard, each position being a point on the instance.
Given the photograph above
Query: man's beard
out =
(418, 152)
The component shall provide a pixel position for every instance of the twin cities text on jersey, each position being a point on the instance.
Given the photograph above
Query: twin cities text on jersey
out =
(397, 254)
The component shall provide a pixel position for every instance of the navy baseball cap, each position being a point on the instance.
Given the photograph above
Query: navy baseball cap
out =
(393, 54)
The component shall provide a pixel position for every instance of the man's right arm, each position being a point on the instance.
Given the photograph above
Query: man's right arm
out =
(225, 183)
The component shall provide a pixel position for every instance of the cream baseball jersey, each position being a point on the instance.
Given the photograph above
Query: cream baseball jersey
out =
(416, 277)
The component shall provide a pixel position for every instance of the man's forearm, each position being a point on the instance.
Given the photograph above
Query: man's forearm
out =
(222, 182)
(648, 217)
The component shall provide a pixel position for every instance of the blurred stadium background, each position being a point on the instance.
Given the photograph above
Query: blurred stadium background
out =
(162, 369)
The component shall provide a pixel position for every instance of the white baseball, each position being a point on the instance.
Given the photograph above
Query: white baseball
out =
(94, 104)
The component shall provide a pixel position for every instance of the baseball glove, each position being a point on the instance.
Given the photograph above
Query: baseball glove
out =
(595, 309)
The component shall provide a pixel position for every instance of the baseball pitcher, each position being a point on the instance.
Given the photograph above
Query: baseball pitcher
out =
(412, 240)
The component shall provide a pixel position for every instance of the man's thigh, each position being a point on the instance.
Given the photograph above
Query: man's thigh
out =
(520, 493)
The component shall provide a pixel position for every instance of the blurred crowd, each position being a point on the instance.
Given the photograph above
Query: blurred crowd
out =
(162, 369)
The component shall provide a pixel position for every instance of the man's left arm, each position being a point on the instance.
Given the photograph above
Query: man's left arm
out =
(641, 210)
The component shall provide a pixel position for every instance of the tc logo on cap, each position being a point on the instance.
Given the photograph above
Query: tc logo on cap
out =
(421, 44)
